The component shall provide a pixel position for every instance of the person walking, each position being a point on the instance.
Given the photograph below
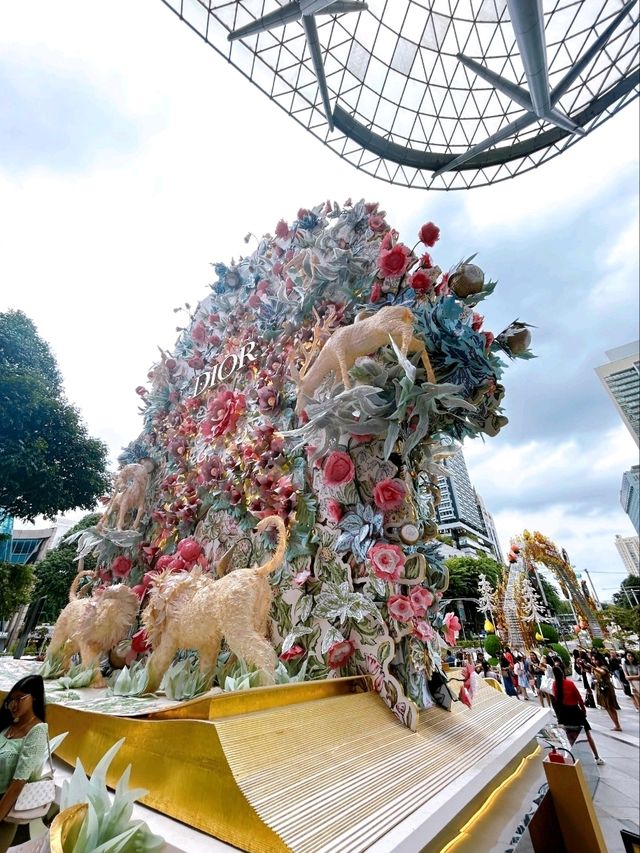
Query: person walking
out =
(605, 691)
(632, 673)
(569, 707)
(506, 671)
(23, 746)
(520, 680)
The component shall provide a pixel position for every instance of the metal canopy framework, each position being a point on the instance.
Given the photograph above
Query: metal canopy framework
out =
(438, 94)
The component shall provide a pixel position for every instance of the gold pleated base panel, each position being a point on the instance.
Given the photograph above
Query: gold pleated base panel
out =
(321, 767)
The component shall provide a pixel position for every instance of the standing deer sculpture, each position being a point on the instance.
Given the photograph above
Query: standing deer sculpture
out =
(347, 344)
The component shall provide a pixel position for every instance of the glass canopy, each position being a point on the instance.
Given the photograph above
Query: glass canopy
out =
(439, 94)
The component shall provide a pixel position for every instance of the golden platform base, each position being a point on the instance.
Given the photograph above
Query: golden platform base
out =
(315, 767)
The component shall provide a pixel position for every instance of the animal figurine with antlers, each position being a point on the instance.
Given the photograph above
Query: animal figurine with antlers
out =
(128, 496)
(348, 343)
(93, 625)
(195, 611)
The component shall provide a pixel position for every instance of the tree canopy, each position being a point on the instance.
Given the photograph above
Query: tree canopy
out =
(48, 462)
(625, 597)
(55, 572)
(464, 573)
(15, 587)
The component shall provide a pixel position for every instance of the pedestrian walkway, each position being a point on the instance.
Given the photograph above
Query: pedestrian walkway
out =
(616, 798)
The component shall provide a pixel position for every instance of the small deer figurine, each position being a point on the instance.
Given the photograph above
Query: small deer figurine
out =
(347, 344)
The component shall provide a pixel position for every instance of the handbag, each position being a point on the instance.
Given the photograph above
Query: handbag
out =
(35, 799)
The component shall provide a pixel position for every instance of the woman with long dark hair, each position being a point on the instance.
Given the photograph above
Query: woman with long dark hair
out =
(605, 691)
(24, 746)
(570, 709)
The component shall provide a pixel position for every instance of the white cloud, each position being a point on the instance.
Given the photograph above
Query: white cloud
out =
(523, 483)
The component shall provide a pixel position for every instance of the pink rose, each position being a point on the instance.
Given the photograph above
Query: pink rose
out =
(338, 469)
(292, 653)
(400, 608)
(339, 653)
(451, 628)
(429, 234)
(334, 510)
(426, 261)
(423, 631)
(301, 578)
(464, 696)
(394, 262)
(421, 600)
(376, 222)
(164, 562)
(376, 292)
(121, 567)
(199, 333)
(389, 494)
(387, 561)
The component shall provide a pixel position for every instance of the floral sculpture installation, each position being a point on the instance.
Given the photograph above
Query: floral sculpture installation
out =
(349, 458)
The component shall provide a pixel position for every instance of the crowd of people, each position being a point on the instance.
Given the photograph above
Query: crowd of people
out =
(551, 681)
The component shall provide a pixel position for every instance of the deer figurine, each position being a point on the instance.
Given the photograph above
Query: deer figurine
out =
(348, 343)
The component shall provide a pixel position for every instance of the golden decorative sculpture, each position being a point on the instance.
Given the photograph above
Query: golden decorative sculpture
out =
(348, 343)
(128, 496)
(195, 611)
(93, 625)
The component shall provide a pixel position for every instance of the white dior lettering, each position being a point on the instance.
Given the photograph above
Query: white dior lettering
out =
(222, 371)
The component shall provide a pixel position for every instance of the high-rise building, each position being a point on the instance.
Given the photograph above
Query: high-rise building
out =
(629, 551)
(621, 377)
(459, 513)
(490, 527)
(630, 495)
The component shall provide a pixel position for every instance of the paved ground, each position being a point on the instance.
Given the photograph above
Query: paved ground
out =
(617, 796)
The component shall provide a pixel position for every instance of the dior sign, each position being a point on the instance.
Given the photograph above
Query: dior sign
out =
(223, 371)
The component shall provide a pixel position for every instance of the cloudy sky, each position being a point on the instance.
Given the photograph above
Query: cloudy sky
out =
(132, 156)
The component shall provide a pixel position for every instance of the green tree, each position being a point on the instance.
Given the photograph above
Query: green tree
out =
(626, 597)
(48, 462)
(15, 587)
(628, 618)
(55, 572)
(464, 573)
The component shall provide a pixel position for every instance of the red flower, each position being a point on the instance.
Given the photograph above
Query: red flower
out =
(339, 653)
(442, 289)
(394, 262)
(338, 469)
(489, 338)
(140, 642)
(334, 510)
(426, 261)
(164, 562)
(140, 590)
(476, 321)
(121, 567)
(420, 282)
(389, 494)
(254, 300)
(429, 234)
(282, 230)
(292, 653)
(376, 292)
(387, 561)
(400, 608)
(387, 240)
(189, 550)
